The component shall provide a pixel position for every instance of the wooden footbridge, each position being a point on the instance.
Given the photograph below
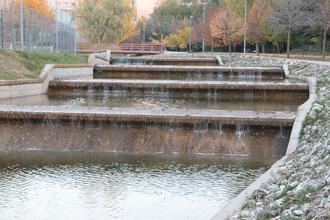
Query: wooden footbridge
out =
(141, 49)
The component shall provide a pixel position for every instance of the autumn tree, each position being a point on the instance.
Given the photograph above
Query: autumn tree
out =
(257, 24)
(227, 26)
(106, 21)
(180, 39)
(40, 6)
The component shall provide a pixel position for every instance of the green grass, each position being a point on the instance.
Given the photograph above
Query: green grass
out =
(27, 65)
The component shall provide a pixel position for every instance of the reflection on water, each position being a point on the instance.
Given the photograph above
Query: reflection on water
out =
(99, 186)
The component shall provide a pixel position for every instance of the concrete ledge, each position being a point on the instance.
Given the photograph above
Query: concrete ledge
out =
(180, 84)
(171, 68)
(237, 203)
(185, 116)
(22, 88)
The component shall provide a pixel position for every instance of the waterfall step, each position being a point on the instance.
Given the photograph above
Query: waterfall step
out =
(283, 86)
(182, 116)
(200, 61)
(175, 68)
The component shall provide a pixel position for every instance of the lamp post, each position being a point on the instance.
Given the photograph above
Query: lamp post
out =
(191, 17)
(204, 8)
(245, 26)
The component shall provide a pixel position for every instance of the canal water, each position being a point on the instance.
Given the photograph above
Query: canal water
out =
(49, 185)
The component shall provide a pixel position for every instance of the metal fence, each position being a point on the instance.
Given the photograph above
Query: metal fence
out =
(23, 28)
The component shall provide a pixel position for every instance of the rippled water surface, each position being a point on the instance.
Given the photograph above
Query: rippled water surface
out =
(91, 186)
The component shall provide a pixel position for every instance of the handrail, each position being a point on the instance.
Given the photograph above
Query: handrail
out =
(127, 47)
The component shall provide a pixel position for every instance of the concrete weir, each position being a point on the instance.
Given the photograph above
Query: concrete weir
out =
(187, 72)
(215, 132)
(193, 61)
(179, 84)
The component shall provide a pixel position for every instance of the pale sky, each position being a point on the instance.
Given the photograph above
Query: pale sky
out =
(145, 7)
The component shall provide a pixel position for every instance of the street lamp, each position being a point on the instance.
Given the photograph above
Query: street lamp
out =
(204, 8)
(191, 17)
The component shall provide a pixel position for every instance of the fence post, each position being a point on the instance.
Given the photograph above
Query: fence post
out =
(21, 20)
(13, 24)
(1, 24)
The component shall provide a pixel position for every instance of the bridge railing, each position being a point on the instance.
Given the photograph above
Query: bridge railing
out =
(121, 48)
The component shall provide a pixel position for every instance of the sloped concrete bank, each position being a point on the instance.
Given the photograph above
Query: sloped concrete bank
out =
(297, 186)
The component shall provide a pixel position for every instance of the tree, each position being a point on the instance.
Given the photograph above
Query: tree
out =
(323, 9)
(180, 39)
(288, 15)
(40, 6)
(167, 15)
(257, 25)
(106, 21)
(227, 26)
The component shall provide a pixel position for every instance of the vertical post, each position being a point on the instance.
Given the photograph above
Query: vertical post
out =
(56, 27)
(75, 29)
(26, 33)
(30, 30)
(144, 33)
(191, 17)
(245, 24)
(1, 24)
(204, 8)
(21, 20)
(13, 24)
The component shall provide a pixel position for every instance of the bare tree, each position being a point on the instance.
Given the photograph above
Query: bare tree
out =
(323, 10)
(288, 15)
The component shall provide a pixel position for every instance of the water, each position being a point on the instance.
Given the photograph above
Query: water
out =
(99, 186)
(191, 76)
(162, 99)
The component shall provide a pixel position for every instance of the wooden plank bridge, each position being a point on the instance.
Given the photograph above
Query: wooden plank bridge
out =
(141, 49)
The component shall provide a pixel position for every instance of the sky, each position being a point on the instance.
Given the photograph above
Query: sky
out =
(145, 7)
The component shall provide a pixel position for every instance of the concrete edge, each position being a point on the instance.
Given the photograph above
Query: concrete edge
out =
(238, 202)
(220, 62)
(29, 87)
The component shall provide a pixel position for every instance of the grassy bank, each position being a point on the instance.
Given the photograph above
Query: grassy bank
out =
(27, 65)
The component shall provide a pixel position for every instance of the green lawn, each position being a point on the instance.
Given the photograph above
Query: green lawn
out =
(28, 65)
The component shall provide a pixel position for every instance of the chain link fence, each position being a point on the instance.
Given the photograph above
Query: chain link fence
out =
(23, 28)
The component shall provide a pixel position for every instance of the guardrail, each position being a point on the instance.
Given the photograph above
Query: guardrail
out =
(121, 48)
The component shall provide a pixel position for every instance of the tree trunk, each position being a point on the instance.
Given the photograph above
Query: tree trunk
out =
(263, 48)
(288, 44)
(229, 47)
(324, 42)
(257, 48)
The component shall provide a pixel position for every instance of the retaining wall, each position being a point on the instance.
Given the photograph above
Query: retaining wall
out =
(21, 88)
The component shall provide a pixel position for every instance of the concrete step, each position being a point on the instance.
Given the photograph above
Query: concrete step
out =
(145, 116)
(179, 84)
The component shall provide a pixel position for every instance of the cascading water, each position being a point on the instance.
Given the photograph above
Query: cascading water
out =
(103, 129)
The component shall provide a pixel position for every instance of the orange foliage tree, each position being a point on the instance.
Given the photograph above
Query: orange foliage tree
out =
(257, 25)
(40, 6)
(227, 26)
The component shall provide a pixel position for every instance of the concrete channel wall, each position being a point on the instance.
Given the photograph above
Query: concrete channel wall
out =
(237, 203)
(21, 88)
